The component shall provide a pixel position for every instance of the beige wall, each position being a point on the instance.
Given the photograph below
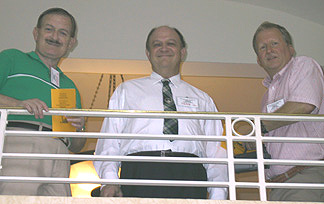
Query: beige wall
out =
(216, 30)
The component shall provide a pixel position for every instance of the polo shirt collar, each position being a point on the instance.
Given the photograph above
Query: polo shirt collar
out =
(33, 55)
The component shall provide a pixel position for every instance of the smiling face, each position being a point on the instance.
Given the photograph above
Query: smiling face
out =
(165, 52)
(53, 39)
(272, 51)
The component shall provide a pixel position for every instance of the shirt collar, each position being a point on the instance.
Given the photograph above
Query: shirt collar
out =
(33, 55)
(267, 81)
(175, 80)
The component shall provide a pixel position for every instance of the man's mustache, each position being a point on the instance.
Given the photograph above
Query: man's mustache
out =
(51, 41)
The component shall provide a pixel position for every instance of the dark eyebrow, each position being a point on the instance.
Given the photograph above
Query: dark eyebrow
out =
(49, 25)
(173, 40)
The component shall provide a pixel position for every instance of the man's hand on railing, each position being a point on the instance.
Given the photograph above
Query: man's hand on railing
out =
(35, 106)
(111, 191)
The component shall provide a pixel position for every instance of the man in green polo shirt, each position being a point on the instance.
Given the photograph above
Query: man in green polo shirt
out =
(26, 80)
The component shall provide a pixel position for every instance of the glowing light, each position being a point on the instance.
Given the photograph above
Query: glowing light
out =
(83, 170)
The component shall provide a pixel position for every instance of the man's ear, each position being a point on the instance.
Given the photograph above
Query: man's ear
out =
(292, 50)
(258, 61)
(35, 33)
(147, 53)
(183, 53)
(73, 43)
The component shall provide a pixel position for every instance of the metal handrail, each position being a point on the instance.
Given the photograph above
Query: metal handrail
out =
(230, 161)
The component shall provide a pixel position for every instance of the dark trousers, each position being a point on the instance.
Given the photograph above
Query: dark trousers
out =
(163, 171)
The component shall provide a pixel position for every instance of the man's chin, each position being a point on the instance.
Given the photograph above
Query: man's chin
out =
(52, 55)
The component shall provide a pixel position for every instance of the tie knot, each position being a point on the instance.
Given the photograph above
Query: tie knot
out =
(165, 82)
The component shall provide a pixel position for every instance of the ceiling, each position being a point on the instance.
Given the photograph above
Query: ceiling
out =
(312, 10)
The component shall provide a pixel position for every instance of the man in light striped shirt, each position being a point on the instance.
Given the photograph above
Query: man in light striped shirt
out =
(295, 85)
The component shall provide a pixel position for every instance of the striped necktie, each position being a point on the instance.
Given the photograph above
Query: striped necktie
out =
(170, 124)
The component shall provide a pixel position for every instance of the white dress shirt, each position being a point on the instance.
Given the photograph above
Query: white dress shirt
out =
(146, 94)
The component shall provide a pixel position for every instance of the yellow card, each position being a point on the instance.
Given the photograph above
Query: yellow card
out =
(62, 98)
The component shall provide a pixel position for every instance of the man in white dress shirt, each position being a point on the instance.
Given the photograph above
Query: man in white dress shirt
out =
(165, 49)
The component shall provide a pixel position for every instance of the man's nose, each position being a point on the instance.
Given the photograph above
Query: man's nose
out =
(55, 34)
(164, 47)
(269, 49)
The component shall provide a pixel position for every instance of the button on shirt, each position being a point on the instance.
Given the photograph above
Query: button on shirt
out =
(146, 94)
(301, 80)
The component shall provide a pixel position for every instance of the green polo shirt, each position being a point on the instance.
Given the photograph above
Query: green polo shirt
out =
(24, 76)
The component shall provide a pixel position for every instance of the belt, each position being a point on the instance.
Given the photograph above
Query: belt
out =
(281, 178)
(163, 153)
(28, 126)
(36, 127)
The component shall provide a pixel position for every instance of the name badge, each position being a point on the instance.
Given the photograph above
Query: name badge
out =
(275, 105)
(187, 102)
(55, 77)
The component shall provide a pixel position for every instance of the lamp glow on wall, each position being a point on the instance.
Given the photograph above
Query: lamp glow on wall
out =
(83, 170)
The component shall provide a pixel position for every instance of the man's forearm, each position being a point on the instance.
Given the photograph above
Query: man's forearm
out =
(6, 101)
(34, 106)
(288, 108)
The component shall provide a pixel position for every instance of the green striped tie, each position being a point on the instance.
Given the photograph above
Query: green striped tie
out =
(170, 124)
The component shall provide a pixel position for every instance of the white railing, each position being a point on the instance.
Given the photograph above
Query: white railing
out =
(229, 118)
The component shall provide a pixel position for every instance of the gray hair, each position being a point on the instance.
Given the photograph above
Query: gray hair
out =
(58, 11)
(268, 25)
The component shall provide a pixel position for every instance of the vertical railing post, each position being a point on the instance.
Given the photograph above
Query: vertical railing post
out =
(260, 158)
(3, 124)
(230, 157)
